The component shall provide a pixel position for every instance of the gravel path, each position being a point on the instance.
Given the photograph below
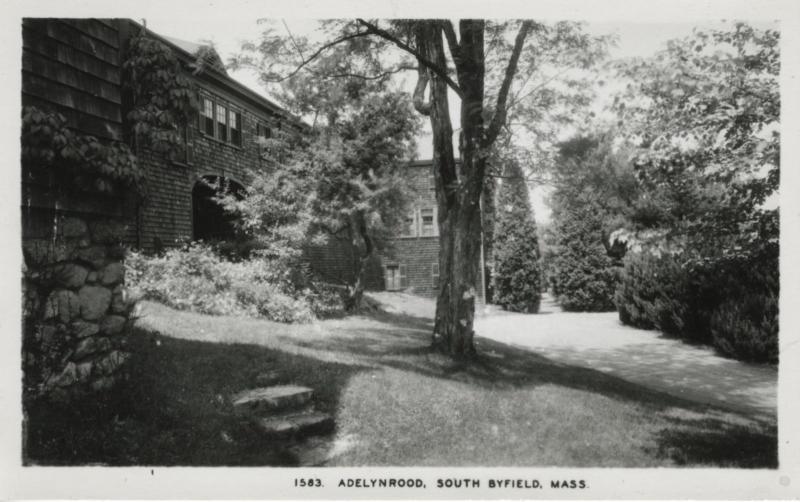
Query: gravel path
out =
(599, 341)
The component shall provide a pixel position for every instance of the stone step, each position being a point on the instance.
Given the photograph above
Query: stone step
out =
(295, 425)
(278, 397)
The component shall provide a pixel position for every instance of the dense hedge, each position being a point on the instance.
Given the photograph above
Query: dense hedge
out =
(731, 304)
(196, 278)
(582, 276)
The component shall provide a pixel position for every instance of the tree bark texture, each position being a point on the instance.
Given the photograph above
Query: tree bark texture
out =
(456, 186)
(459, 188)
(356, 290)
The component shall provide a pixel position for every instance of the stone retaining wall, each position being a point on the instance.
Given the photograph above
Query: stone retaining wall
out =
(75, 307)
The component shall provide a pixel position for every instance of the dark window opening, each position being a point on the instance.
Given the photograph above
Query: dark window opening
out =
(210, 220)
(207, 117)
(222, 123)
(428, 227)
(235, 120)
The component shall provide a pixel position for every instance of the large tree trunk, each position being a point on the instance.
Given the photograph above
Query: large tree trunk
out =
(457, 190)
(355, 292)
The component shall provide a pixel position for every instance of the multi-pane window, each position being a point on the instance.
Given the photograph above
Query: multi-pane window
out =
(427, 225)
(235, 121)
(222, 123)
(207, 117)
(410, 225)
(435, 274)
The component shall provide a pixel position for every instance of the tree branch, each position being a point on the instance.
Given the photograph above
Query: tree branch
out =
(500, 108)
(378, 76)
(440, 72)
(312, 57)
(419, 92)
(452, 42)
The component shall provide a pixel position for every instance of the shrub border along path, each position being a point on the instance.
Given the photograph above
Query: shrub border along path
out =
(599, 341)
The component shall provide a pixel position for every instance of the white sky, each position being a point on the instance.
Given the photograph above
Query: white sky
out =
(229, 28)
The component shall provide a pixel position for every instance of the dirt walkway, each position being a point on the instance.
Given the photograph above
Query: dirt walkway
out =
(601, 342)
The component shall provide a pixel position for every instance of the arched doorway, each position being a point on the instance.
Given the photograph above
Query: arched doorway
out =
(210, 222)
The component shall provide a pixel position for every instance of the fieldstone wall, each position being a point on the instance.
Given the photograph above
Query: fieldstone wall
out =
(75, 307)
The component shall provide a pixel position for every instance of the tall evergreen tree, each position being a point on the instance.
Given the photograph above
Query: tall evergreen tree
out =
(517, 275)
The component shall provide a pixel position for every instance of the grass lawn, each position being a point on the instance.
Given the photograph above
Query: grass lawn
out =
(394, 401)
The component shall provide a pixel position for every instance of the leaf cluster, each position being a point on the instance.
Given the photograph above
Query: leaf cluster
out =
(164, 98)
(81, 162)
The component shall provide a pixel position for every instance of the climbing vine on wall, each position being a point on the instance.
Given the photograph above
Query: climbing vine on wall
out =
(77, 161)
(163, 97)
(162, 105)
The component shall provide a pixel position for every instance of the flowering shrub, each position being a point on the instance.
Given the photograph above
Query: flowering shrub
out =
(197, 279)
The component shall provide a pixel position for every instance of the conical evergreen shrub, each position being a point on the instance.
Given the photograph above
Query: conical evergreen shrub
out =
(517, 272)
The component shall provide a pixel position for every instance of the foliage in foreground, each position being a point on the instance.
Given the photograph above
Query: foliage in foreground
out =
(730, 304)
(342, 182)
(197, 279)
(582, 275)
(517, 275)
(706, 113)
(594, 186)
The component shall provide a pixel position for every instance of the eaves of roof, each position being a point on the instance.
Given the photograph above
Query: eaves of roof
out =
(228, 83)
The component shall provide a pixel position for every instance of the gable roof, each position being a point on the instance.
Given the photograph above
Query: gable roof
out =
(215, 72)
(205, 52)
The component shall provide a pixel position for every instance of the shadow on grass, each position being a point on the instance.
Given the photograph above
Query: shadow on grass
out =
(173, 408)
(719, 443)
(751, 442)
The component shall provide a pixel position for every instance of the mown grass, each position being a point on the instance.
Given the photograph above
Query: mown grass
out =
(395, 403)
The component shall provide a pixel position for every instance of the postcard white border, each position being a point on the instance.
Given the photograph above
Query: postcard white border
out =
(17, 482)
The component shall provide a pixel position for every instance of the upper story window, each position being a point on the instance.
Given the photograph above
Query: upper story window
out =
(427, 223)
(220, 121)
(263, 133)
(235, 121)
(409, 225)
(207, 117)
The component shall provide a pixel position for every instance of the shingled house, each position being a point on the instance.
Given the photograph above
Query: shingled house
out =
(411, 263)
(73, 66)
(221, 147)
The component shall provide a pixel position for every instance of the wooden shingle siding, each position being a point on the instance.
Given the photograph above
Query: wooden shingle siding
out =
(103, 30)
(51, 69)
(73, 67)
(36, 41)
(86, 123)
(75, 35)
(66, 95)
